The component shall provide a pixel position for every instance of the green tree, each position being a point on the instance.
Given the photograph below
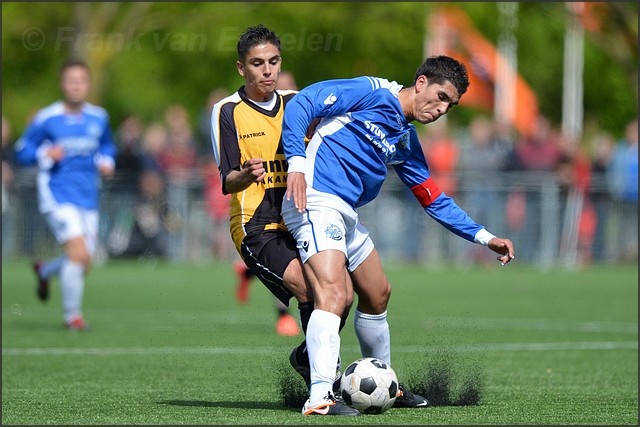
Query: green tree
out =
(146, 56)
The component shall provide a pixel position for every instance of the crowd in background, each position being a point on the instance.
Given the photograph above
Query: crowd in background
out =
(164, 166)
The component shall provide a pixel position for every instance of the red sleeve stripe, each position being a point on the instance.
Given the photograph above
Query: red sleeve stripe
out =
(427, 192)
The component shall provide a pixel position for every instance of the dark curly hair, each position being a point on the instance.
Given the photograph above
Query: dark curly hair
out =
(440, 69)
(254, 36)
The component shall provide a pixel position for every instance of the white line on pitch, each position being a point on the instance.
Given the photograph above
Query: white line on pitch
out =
(558, 346)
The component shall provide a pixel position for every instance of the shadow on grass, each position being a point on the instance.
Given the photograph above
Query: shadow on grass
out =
(232, 405)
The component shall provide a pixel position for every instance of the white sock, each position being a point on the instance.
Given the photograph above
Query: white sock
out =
(71, 289)
(52, 267)
(323, 348)
(373, 335)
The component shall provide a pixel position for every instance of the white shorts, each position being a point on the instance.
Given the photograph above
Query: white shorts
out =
(69, 221)
(327, 223)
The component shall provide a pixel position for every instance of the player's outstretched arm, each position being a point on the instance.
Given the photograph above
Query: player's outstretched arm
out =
(504, 247)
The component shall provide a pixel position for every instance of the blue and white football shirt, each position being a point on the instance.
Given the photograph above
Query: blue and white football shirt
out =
(362, 131)
(87, 141)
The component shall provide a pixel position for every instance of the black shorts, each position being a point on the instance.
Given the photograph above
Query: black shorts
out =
(267, 254)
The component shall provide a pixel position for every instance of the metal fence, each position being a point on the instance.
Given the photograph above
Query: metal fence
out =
(550, 226)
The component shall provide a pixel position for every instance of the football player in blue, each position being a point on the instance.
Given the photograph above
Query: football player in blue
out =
(364, 128)
(71, 142)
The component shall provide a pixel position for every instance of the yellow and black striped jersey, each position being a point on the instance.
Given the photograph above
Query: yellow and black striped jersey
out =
(242, 130)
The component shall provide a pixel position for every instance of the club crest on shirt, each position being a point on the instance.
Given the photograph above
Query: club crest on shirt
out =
(333, 232)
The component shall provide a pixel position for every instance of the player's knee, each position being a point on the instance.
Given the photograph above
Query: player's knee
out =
(336, 301)
(349, 300)
(295, 282)
(385, 295)
(81, 257)
(374, 301)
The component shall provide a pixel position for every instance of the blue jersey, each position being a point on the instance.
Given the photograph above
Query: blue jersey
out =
(87, 141)
(362, 131)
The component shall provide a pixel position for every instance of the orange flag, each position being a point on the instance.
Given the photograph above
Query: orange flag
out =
(453, 34)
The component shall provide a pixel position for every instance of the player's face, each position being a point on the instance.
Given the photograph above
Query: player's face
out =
(260, 70)
(75, 83)
(433, 100)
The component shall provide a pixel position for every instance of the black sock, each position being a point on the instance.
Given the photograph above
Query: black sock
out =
(306, 308)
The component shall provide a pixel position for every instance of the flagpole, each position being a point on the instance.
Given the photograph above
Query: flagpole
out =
(506, 63)
(572, 87)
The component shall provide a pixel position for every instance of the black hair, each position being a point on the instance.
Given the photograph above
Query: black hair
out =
(254, 36)
(440, 69)
(73, 63)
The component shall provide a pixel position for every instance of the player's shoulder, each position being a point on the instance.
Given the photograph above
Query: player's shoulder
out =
(234, 98)
(287, 93)
(226, 103)
(382, 83)
(95, 110)
(48, 112)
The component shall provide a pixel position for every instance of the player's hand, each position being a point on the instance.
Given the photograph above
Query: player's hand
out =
(297, 188)
(55, 153)
(504, 247)
(106, 169)
(254, 171)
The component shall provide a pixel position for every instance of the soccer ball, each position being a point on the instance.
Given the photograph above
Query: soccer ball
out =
(369, 385)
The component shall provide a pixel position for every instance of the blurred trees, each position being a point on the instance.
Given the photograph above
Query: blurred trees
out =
(145, 56)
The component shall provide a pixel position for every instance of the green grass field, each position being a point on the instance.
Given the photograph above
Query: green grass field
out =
(170, 345)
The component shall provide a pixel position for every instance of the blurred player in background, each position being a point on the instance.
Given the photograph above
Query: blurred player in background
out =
(286, 324)
(71, 142)
(364, 129)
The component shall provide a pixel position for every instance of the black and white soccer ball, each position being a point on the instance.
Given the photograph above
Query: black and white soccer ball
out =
(369, 385)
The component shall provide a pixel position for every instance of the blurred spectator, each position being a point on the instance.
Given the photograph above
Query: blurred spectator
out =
(26, 216)
(155, 140)
(577, 214)
(7, 188)
(153, 219)
(603, 153)
(178, 162)
(442, 154)
(623, 184)
(117, 221)
(128, 160)
(482, 156)
(217, 204)
(537, 153)
(179, 158)
(286, 81)
(204, 121)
